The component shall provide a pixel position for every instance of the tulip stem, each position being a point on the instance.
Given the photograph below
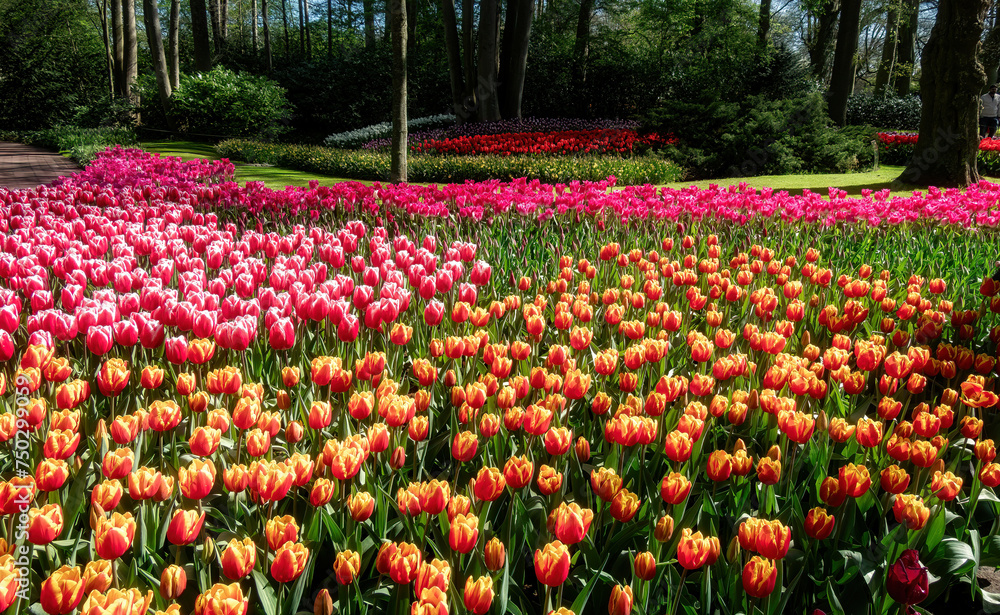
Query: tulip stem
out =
(548, 596)
(680, 589)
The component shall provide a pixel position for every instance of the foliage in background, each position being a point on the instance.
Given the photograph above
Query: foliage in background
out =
(221, 103)
(81, 144)
(759, 136)
(50, 63)
(430, 168)
(893, 113)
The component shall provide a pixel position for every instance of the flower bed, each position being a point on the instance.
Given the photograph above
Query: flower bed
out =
(621, 142)
(228, 396)
(897, 147)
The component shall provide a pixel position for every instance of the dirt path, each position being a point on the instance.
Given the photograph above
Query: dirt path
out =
(24, 166)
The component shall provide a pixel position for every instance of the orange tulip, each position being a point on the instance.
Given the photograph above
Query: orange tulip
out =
(97, 576)
(45, 524)
(281, 530)
(495, 554)
(773, 539)
(62, 591)
(818, 523)
(489, 484)
(478, 594)
(759, 576)
(223, 600)
(693, 550)
(113, 535)
(289, 562)
(464, 533)
(173, 582)
(552, 564)
(185, 526)
(238, 559)
(361, 505)
(128, 602)
(347, 567)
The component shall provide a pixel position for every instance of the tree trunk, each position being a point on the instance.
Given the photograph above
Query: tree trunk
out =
(763, 23)
(469, 65)
(411, 25)
(581, 51)
(131, 47)
(518, 33)
(302, 30)
(199, 30)
(454, 56)
(267, 35)
(329, 28)
(151, 17)
(118, 46)
(907, 45)
(486, 90)
(108, 52)
(253, 25)
(819, 52)
(368, 6)
(175, 44)
(844, 66)
(951, 79)
(887, 67)
(215, 12)
(397, 170)
(309, 40)
(284, 21)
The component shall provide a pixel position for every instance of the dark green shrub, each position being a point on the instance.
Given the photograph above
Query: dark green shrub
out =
(82, 144)
(732, 137)
(355, 164)
(891, 113)
(220, 103)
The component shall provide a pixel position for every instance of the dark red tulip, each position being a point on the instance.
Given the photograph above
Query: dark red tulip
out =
(907, 582)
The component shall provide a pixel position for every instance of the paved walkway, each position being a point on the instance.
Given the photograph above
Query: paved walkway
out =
(24, 166)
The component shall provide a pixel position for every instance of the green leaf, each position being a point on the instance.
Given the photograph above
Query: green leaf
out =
(268, 601)
(935, 532)
(957, 556)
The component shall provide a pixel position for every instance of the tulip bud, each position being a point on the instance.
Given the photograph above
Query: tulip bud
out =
(822, 422)
(664, 528)
(398, 458)
(938, 466)
(733, 550)
(294, 432)
(173, 581)
(101, 433)
(323, 604)
(582, 449)
(208, 550)
(96, 514)
(496, 554)
(806, 338)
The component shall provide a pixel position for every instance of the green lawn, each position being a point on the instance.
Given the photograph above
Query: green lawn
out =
(273, 177)
(277, 178)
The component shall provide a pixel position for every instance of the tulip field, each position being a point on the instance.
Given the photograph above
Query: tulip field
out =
(491, 397)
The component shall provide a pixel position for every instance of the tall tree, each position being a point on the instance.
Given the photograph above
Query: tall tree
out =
(220, 17)
(302, 29)
(399, 146)
(887, 66)
(951, 78)
(199, 30)
(266, 23)
(486, 90)
(451, 44)
(284, 21)
(118, 47)
(329, 28)
(763, 23)
(844, 62)
(906, 46)
(514, 60)
(368, 6)
(130, 59)
(822, 41)
(253, 25)
(469, 60)
(991, 48)
(154, 36)
(581, 51)
(174, 60)
(309, 41)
